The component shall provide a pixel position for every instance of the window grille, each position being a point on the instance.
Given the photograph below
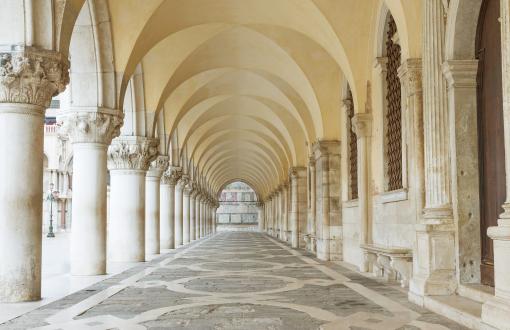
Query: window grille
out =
(393, 111)
(353, 148)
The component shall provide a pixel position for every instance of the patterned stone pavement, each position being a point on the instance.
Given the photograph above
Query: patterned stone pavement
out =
(235, 280)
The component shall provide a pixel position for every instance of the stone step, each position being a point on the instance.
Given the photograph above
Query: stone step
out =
(460, 309)
(477, 292)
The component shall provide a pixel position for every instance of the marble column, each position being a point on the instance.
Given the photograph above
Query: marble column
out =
(198, 197)
(90, 133)
(329, 221)
(496, 311)
(434, 264)
(167, 205)
(29, 78)
(294, 220)
(313, 222)
(152, 204)
(192, 214)
(129, 158)
(362, 127)
(186, 211)
(260, 216)
(202, 217)
(179, 215)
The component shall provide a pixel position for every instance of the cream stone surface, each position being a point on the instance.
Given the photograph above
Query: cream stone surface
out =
(164, 103)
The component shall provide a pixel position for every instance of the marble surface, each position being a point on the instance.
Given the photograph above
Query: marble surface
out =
(234, 280)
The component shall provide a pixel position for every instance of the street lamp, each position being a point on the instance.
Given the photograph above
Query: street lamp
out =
(52, 195)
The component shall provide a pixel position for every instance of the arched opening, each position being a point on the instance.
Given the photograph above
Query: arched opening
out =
(238, 208)
(490, 130)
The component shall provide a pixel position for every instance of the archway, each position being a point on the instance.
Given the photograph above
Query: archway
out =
(238, 208)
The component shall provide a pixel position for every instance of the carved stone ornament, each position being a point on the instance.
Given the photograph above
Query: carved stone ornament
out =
(158, 166)
(132, 153)
(362, 125)
(171, 175)
(91, 127)
(32, 76)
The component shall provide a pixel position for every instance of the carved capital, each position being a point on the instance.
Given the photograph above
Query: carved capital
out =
(409, 74)
(91, 127)
(183, 182)
(32, 76)
(171, 175)
(362, 125)
(132, 153)
(158, 166)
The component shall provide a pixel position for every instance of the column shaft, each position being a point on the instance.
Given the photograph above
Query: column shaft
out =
(21, 201)
(192, 217)
(186, 217)
(167, 216)
(88, 237)
(178, 215)
(152, 225)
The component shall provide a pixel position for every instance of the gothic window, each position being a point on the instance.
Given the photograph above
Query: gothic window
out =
(393, 120)
(353, 147)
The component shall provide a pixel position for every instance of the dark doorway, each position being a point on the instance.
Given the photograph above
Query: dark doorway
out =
(490, 130)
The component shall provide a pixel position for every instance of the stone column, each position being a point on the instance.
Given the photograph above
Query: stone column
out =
(260, 215)
(152, 204)
(179, 216)
(90, 134)
(197, 215)
(294, 221)
(202, 217)
(313, 222)
(496, 312)
(186, 210)
(129, 158)
(29, 78)
(362, 126)
(192, 215)
(167, 215)
(329, 222)
(434, 262)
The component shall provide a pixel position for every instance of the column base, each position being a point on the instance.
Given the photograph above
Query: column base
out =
(496, 313)
(434, 273)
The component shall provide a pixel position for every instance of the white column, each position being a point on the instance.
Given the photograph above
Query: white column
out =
(24, 96)
(192, 216)
(287, 233)
(128, 160)
(202, 228)
(362, 126)
(88, 237)
(294, 207)
(186, 213)
(167, 204)
(179, 187)
(152, 204)
(313, 222)
(261, 214)
(197, 215)
(434, 271)
(496, 312)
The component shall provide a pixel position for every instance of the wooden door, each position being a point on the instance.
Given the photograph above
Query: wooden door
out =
(490, 130)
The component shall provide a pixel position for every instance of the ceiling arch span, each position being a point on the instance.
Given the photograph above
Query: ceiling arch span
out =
(239, 141)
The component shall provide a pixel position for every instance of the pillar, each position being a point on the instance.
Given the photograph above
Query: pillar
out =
(167, 205)
(496, 311)
(179, 200)
(202, 214)
(192, 214)
(362, 127)
(152, 204)
(260, 216)
(197, 215)
(312, 198)
(90, 134)
(186, 226)
(129, 158)
(329, 222)
(434, 266)
(29, 78)
(294, 221)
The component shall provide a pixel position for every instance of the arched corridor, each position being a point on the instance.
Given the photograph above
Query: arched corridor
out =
(367, 139)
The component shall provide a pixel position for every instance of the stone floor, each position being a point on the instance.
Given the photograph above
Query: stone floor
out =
(236, 280)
